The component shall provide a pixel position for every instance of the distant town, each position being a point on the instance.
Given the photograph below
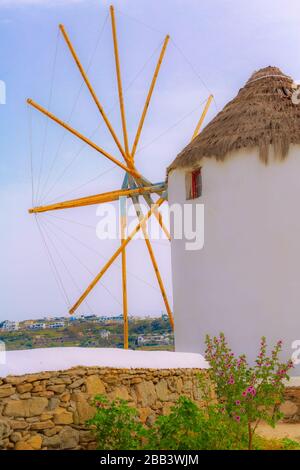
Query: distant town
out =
(87, 331)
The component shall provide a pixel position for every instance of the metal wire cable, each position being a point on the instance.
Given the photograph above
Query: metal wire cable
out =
(71, 221)
(29, 115)
(83, 265)
(139, 21)
(76, 101)
(47, 120)
(93, 250)
(193, 68)
(95, 178)
(116, 103)
(171, 127)
(64, 264)
(53, 265)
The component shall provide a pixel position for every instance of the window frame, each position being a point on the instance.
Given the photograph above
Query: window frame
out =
(193, 183)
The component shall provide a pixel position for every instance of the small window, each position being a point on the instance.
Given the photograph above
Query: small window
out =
(193, 183)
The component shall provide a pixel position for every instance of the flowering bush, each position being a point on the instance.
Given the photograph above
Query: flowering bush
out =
(248, 395)
(235, 396)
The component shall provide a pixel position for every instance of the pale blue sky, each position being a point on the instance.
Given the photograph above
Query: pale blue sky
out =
(215, 46)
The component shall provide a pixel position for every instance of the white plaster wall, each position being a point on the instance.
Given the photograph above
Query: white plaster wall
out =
(246, 280)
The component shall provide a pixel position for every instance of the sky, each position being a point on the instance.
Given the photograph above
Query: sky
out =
(215, 46)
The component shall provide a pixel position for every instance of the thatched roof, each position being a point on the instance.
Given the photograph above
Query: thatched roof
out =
(262, 114)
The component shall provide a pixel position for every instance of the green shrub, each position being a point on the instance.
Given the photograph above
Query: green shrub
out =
(189, 427)
(116, 425)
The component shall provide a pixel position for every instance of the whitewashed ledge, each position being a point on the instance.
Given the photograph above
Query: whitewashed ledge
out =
(30, 361)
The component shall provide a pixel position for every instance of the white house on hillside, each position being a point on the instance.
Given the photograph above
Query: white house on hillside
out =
(245, 168)
(8, 325)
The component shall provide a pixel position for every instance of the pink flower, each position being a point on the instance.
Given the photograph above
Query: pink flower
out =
(237, 418)
(244, 394)
(238, 402)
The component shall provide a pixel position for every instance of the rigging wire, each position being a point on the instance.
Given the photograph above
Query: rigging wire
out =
(138, 151)
(47, 120)
(41, 193)
(175, 45)
(116, 103)
(29, 114)
(139, 21)
(93, 250)
(71, 221)
(76, 100)
(95, 178)
(131, 83)
(143, 66)
(53, 265)
(66, 267)
(83, 265)
(193, 68)
(171, 127)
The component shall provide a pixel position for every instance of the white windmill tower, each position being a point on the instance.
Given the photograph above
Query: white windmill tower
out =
(245, 168)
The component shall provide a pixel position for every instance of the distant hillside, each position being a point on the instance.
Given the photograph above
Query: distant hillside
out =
(149, 333)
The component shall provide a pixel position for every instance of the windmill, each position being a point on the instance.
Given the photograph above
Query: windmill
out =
(134, 185)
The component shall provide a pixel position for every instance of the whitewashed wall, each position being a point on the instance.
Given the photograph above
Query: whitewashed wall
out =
(246, 280)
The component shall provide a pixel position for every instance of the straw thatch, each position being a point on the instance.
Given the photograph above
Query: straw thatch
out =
(262, 114)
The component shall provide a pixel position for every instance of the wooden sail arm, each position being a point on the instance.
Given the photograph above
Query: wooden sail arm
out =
(153, 259)
(132, 171)
(93, 93)
(99, 198)
(202, 117)
(152, 85)
(123, 224)
(157, 215)
(119, 82)
(136, 183)
(116, 254)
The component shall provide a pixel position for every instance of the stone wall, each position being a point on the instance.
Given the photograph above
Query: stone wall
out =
(48, 410)
(291, 405)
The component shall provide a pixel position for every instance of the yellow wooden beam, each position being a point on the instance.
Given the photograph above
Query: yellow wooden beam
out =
(123, 223)
(158, 216)
(115, 255)
(202, 117)
(153, 260)
(119, 81)
(132, 171)
(97, 199)
(152, 85)
(92, 91)
(140, 182)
